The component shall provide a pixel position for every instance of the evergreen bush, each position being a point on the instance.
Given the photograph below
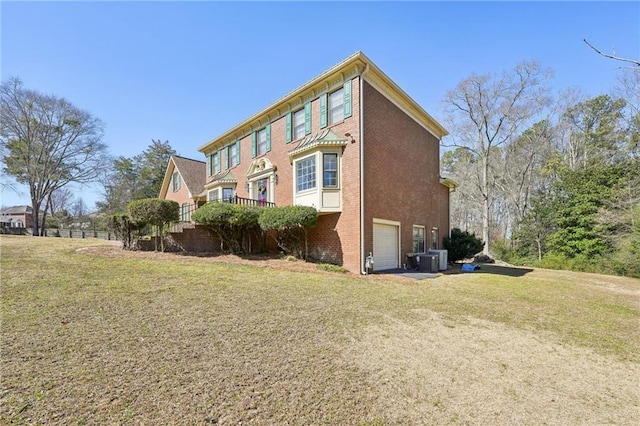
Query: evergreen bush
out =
(289, 226)
(462, 245)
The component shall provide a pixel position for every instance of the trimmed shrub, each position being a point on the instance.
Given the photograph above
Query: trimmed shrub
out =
(462, 245)
(234, 224)
(289, 226)
(124, 229)
(156, 212)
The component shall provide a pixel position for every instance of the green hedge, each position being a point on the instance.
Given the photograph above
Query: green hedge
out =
(234, 224)
(289, 226)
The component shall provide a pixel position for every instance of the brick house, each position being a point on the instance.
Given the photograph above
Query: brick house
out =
(17, 217)
(183, 183)
(350, 143)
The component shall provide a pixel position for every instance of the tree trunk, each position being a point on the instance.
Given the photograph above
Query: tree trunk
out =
(35, 219)
(486, 205)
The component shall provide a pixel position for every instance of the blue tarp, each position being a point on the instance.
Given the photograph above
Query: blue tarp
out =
(469, 267)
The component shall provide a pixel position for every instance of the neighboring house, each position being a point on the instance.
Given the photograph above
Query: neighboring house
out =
(184, 183)
(17, 217)
(353, 145)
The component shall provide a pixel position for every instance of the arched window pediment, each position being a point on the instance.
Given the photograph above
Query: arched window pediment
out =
(260, 166)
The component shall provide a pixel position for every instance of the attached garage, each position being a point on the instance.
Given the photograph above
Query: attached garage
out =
(385, 244)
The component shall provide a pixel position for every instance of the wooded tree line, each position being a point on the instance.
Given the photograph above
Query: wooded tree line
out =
(552, 182)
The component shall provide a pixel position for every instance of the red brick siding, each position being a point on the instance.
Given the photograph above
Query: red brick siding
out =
(180, 196)
(402, 172)
(336, 238)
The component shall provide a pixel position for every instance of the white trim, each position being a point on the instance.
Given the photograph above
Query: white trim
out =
(398, 225)
(424, 236)
(386, 222)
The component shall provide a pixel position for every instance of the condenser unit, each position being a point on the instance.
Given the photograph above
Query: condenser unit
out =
(442, 259)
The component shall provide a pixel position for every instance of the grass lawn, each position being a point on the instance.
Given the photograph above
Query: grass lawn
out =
(101, 336)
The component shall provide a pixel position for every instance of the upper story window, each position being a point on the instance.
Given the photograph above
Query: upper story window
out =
(306, 173)
(330, 170)
(336, 106)
(299, 124)
(175, 181)
(418, 239)
(261, 141)
(233, 154)
(213, 163)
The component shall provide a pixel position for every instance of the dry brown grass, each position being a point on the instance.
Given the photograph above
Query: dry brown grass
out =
(95, 335)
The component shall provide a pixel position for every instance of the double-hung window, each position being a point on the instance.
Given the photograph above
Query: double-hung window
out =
(299, 124)
(175, 181)
(330, 170)
(213, 194)
(262, 142)
(213, 163)
(418, 239)
(336, 106)
(233, 154)
(306, 174)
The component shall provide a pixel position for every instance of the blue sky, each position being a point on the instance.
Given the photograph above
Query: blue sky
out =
(188, 71)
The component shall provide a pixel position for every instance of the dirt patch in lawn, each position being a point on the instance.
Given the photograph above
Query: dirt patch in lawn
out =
(442, 372)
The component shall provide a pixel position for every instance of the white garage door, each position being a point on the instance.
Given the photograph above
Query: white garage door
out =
(385, 246)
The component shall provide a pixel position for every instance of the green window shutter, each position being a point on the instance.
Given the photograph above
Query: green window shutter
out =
(323, 111)
(226, 157)
(268, 131)
(307, 118)
(254, 145)
(288, 128)
(209, 172)
(347, 99)
(238, 150)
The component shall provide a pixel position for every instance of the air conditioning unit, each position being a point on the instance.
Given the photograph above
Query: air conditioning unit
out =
(442, 256)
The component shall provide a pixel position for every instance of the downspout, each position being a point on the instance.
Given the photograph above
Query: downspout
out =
(363, 270)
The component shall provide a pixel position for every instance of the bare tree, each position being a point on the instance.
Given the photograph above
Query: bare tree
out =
(60, 201)
(47, 143)
(487, 111)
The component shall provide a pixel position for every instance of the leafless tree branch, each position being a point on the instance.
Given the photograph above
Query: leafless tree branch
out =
(617, 58)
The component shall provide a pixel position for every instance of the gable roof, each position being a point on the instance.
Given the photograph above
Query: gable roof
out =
(16, 210)
(193, 174)
(355, 65)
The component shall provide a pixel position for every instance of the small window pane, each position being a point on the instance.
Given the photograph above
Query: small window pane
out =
(233, 155)
(298, 124)
(227, 194)
(176, 181)
(330, 170)
(262, 141)
(215, 163)
(336, 106)
(434, 238)
(306, 174)
(418, 239)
